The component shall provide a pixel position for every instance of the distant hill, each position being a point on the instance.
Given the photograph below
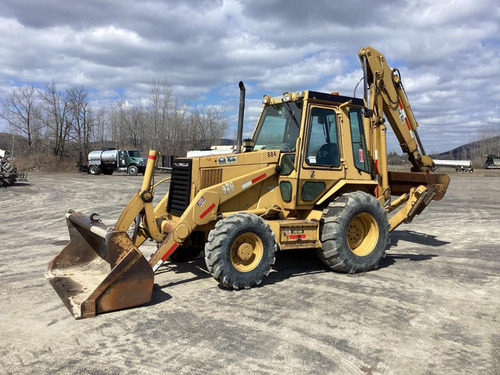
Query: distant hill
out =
(15, 144)
(472, 150)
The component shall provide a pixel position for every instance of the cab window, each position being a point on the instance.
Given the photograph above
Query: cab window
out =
(358, 140)
(279, 126)
(322, 146)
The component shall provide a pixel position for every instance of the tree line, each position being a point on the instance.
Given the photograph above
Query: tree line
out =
(65, 124)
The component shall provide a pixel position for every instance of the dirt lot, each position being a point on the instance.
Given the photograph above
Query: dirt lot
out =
(433, 307)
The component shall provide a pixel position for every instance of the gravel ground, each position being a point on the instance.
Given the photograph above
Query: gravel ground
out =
(433, 306)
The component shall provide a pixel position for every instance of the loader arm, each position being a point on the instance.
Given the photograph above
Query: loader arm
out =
(203, 209)
(140, 207)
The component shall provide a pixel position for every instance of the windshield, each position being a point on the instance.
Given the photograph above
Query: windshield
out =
(279, 127)
(134, 154)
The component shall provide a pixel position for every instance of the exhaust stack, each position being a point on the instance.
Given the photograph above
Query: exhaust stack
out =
(240, 117)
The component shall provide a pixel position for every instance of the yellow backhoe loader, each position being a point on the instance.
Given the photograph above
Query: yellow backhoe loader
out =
(314, 175)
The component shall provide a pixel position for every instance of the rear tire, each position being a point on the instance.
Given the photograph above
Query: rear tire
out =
(240, 250)
(94, 170)
(354, 233)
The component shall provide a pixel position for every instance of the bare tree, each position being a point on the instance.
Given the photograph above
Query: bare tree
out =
(159, 103)
(83, 117)
(160, 122)
(57, 118)
(128, 125)
(101, 130)
(21, 112)
(216, 124)
(205, 128)
(176, 143)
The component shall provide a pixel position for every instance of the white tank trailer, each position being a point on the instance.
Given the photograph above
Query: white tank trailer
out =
(459, 165)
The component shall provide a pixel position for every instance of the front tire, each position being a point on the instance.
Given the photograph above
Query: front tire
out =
(132, 170)
(240, 250)
(354, 233)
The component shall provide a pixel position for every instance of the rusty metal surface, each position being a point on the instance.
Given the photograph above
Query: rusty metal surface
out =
(402, 182)
(99, 270)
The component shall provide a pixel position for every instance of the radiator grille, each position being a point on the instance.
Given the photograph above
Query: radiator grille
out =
(179, 194)
(210, 177)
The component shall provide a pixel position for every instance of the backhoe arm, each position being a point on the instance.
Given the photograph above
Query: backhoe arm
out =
(388, 97)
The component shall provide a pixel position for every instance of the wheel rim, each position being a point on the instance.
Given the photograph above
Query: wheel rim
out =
(362, 234)
(246, 252)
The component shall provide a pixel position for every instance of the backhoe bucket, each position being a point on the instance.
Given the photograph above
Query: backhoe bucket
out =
(99, 270)
(402, 182)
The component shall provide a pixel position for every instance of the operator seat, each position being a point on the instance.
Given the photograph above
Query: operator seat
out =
(328, 154)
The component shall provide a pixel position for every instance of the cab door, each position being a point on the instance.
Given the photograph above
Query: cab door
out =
(322, 164)
(122, 156)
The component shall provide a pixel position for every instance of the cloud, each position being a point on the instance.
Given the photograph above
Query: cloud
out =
(448, 52)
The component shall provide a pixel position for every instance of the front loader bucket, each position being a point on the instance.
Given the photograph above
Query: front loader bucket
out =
(99, 270)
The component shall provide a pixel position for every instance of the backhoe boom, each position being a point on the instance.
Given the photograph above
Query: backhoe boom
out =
(386, 96)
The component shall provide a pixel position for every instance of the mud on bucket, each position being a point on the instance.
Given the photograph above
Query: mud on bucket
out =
(99, 270)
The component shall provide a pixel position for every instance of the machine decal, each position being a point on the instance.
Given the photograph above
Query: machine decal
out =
(228, 188)
(205, 213)
(402, 116)
(201, 202)
(294, 234)
(226, 160)
(253, 181)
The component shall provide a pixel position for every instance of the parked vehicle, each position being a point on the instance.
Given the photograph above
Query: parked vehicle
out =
(9, 174)
(108, 160)
(492, 162)
(459, 165)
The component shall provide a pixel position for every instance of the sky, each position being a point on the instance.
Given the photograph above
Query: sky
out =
(448, 53)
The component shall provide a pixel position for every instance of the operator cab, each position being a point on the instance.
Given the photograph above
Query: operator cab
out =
(281, 121)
